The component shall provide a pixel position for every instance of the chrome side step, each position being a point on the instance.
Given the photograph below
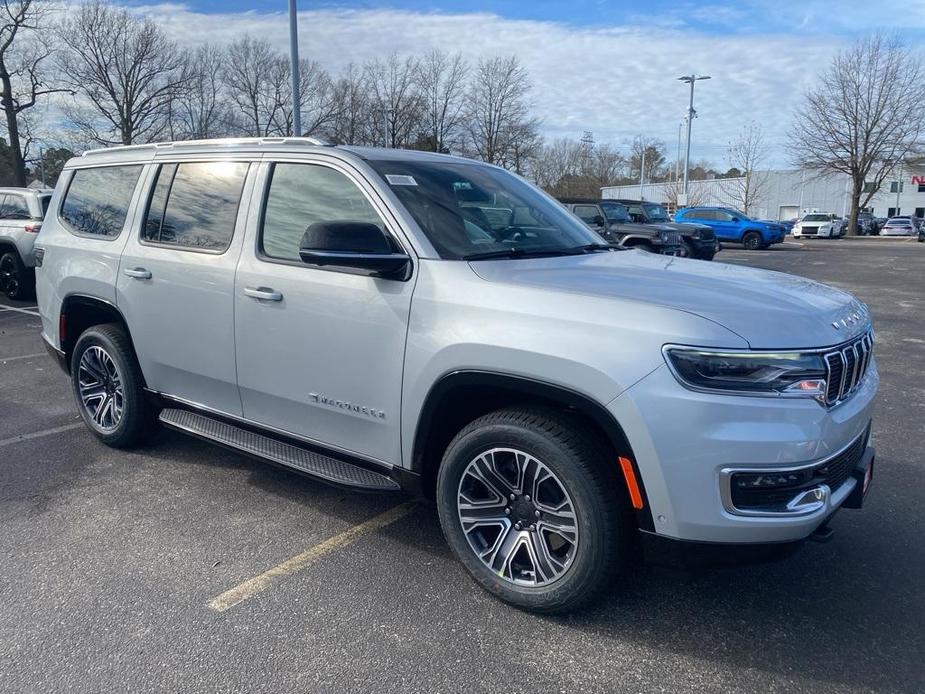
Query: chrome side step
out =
(322, 467)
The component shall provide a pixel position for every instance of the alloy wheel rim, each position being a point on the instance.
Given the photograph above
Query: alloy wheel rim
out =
(517, 517)
(9, 282)
(102, 393)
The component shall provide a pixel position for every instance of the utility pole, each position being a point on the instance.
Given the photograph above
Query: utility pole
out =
(691, 113)
(899, 187)
(642, 172)
(294, 68)
(677, 159)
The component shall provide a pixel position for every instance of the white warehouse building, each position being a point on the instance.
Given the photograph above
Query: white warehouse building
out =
(788, 194)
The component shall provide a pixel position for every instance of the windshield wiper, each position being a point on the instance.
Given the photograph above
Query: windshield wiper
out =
(515, 252)
(594, 248)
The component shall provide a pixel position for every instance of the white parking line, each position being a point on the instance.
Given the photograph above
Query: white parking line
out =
(40, 434)
(21, 310)
(24, 356)
(258, 584)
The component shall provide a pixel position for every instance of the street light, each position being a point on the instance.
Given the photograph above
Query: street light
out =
(294, 68)
(691, 114)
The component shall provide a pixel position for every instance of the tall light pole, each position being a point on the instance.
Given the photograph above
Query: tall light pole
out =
(294, 68)
(690, 79)
(677, 159)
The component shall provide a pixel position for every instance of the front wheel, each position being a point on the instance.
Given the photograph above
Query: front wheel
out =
(108, 387)
(528, 501)
(752, 241)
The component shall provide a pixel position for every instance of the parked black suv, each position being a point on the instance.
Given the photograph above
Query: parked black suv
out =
(697, 240)
(621, 231)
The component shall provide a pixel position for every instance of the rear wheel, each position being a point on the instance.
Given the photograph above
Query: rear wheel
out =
(108, 387)
(16, 280)
(751, 241)
(528, 502)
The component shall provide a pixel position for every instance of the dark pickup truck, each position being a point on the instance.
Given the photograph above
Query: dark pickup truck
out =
(697, 240)
(623, 232)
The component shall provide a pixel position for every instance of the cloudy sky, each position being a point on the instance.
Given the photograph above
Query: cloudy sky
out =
(604, 66)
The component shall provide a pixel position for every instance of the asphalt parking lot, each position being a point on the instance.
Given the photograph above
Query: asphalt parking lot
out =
(113, 564)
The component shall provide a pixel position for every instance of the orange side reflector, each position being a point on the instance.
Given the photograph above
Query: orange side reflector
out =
(631, 484)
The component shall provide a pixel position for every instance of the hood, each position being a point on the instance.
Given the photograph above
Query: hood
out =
(688, 228)
(634, 228)
(769, 310)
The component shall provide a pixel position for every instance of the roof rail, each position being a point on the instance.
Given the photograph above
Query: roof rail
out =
(227, 142)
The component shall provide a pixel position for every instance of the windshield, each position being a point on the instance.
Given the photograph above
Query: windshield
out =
(469, 210)
(656, 213)
(616, 212)
(816, 218)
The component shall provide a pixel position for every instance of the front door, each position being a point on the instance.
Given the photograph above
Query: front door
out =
(320, 351)
(176, 281)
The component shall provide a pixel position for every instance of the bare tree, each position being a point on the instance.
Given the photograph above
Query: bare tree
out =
(351, 124)
(863, 117)
(441, 81)
(127, 69)
(318, 103)
(23, 79)
(395, 103)
(256, 85)
(747, 153)
(647, 152)
(571, 168)
(497, 111)
(202, 111)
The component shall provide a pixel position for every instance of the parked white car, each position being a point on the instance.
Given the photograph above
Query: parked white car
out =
(21, 213)
(898, 226)
(817, 225)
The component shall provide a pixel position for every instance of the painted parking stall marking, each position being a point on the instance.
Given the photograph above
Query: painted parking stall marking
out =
(30, 311)
(39, 434)
(256, 585)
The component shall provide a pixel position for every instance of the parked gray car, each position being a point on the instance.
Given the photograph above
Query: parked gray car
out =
(388, 320)
(21, 213)
(622, 231)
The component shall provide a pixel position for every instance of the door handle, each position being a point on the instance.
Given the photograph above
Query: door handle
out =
(139, 273)
(263, 293)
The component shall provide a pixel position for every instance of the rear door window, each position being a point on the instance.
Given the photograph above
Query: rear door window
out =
(14, 207)
(587, 213)
(194, 205)
(97, 200)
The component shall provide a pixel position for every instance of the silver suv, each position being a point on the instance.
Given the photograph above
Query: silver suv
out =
(390, 320)
(21, 213)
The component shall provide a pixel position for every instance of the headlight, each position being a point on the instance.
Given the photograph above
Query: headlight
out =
(788, 374)
(663, 236)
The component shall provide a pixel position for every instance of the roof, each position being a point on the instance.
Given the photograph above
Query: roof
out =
(13, 189)
(132, 153)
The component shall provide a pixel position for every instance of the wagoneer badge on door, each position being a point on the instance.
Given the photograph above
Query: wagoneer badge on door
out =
(323, 399)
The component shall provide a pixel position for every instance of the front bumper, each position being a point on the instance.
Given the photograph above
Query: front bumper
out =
(686, 443)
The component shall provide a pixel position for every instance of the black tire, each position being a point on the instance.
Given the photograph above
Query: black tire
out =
(582, 463)
(17, 281)
(687, 250)
(751, 241)
(136, 421)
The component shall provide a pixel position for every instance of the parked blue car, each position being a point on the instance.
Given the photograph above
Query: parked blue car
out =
(731, 225)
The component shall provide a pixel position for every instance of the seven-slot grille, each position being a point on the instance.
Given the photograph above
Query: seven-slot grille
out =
(846, 368)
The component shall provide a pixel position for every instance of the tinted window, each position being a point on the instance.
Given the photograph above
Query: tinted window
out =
(587, 213)
(45, 200)
(14, 207)
(97, 199)
(195, 205)
(302, 194)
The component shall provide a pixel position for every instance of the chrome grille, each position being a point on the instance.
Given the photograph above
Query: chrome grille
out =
(846, 368)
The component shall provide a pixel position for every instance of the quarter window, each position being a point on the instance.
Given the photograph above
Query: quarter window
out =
(97, 200)
(301, 195)
(195, 205)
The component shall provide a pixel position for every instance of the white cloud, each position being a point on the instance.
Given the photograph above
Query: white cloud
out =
(616, 82)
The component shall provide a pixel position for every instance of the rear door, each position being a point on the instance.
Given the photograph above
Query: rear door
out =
(320, 351)
(176, 280)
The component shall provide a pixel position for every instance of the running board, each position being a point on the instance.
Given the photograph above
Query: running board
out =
(322, 467)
